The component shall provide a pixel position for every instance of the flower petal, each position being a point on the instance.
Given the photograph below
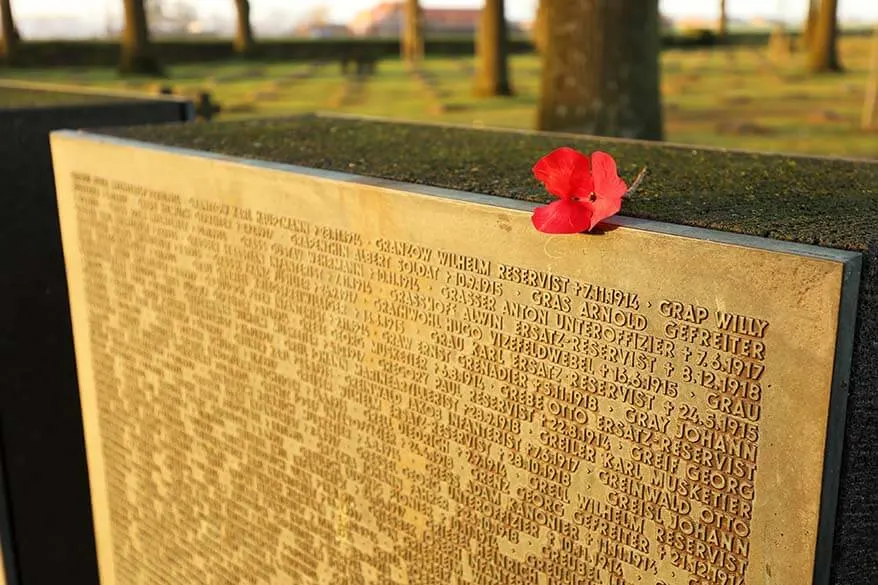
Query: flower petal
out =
(606, 178)
(609, 188)
(565, 173)
(562, 217)
(602, 209)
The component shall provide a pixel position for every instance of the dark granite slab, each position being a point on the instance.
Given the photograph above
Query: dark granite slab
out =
(824, 201)
(47, 529)
(16, 97)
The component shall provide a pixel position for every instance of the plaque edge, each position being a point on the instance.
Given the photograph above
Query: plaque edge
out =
(9, 565)
(94, 457)
(836, 421)
(86, 90)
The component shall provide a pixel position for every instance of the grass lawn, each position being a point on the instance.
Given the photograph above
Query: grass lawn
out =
(733, 98)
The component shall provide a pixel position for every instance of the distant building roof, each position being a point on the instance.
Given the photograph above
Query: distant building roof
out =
(458, 17)
(387, 15)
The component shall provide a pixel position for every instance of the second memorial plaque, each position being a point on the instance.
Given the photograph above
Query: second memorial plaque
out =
(298, 376)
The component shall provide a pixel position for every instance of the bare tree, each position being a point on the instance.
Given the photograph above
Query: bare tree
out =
(870, 107)
(823, 52)
(492, 50)
(137, 50)
(8, 33)
(601, 69)
(811, 22)
(244, 42)
(723, 21)
(413, 33)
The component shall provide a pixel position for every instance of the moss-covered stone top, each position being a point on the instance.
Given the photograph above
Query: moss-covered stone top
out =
(31, 98)
(829, 202)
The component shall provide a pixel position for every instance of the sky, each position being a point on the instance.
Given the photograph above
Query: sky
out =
(343, 10)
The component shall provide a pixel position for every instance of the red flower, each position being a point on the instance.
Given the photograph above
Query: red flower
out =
(587, 193)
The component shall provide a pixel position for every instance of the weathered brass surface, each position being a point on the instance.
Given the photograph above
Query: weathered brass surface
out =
(290, 378)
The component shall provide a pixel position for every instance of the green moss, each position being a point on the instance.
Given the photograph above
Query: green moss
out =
(830, 202)
(27, 98)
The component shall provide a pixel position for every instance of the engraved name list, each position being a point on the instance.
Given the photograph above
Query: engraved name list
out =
(305, 402)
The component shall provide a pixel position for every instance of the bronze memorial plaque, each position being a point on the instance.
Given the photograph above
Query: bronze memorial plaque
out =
(295, 376)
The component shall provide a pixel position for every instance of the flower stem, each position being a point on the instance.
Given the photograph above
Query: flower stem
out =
(639, 179)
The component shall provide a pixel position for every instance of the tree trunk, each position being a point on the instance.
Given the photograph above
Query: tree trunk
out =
(8, 33)
(823, 53)
(244, 42)
(137, 53)
(811, 23)
(723, 33)
(540, 31)
(601, 69)
(413, 33)
(870, 107)
(492, 48)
